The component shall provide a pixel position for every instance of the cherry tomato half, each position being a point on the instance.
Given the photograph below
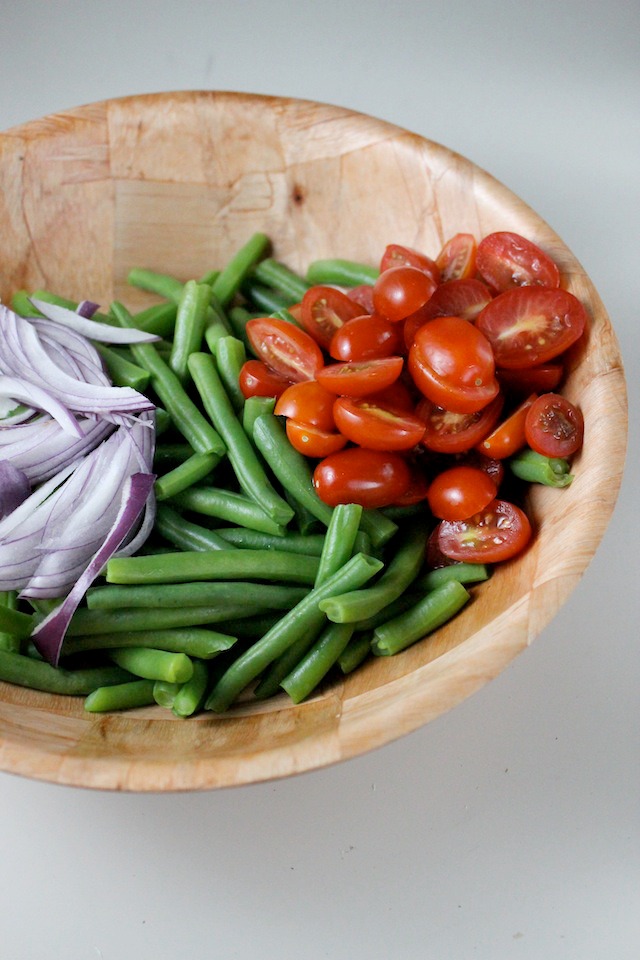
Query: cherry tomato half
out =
(452, 364)
(372, 478)
(285, 348)
(324, 310)
(365, 338)
(400, 291)
(497, 533)
(458, 298)
(506, 260)
(256, 379)
(395, 255)
(362, 294)
(375, 427)
(312, 441)
(448, 432)
(509, 436)
(358, 379)
(541, 379)
(554, 427)
(457, 259)
(460, 492)
(531, 325)
(308, 402)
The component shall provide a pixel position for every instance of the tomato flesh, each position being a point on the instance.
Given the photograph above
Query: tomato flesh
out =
(395, 255)
(376, 427)
(457, 259)
(449, 432)
(371, 478)
(460, 492)
(323, 310)
(313, 441)
(256, 379)
(285, 348)
(498, 532)
(554, 427)
(509, 436)
(505, 260)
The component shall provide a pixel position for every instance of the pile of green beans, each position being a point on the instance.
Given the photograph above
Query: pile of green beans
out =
(249, 584)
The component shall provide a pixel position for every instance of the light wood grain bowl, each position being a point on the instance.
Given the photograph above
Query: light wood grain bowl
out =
(176, 182)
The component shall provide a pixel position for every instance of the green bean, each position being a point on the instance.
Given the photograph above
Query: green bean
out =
(228, 281)
(265, 298)
(164, 692)
(186, 416)
(163, 422)
(244, 460)
(277, 596)
(122, 696)
(339, 540)
(161, 284)
(191, 695)
(191, 471)
(400, 572)
(304, 618)
(213, 565)
(89, 623)
(535, 468)
(378, 527)
(230, 355)
(48, 297)
(21, 304)
(122, 372)
(304, 521)
(152, 664)
(356, 651)
(166, 453)
(284, 314)
(253, 408)
(38, 675)
(275, 274)
(159, 319)
(16, 623)
(343, 273)
(186, 535)
(462, 572)
(316, 664)
(237, 317)
(190, 325)
(9, 641)
(235, 508)
(269, 683)
(434, 609)
(194, 641)
(242, 537)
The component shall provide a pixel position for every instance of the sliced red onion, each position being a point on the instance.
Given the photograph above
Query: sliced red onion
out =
(14, 487)
(73, 353)
(87, 308)
(49, 635)
(19, 389)
(42, 447)
(92, 329)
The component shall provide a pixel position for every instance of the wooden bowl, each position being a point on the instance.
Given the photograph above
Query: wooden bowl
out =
(176, 182)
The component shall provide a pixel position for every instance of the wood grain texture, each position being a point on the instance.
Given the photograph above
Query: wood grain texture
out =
(177, 182)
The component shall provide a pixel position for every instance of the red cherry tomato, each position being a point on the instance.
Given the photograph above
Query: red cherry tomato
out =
(358, 379)
(372, 478)
(395, 255)
(285, 348)
(554, 427)
(498, 532)
(363, 295)
(460, 492)
(375, 427)
(452, 364)
(400, 291)
(528, 326)
(256, 379)
(509, 436)
(416, 491)
(457, 259)
(541, 379)
(365, 338)
(448, 432)
(494, 468)
(397, 398)
(506, 260)
(458, 298)
(308, 402)
(312, 441)
(324, 310)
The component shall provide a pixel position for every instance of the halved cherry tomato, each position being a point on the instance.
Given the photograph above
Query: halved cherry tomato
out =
(452, 364)
(554, 427)
(497, 533)
(416, 491)
(457, 259)
(324, 310)
(400, 291)
(312, 441)
(509, 436)
(396, 397)
(256, 379)
(460, 492)
(365, 338)
(494, 468)
(395, 255)
(285, 348)
(448, 432)
(358, 379)
(308, 402)
(372, 478)
(506, 260)
(363, 295)
(458, 298)
(541, 379)
(375, 427)
(531, 325)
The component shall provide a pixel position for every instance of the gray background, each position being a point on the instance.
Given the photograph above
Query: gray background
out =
(508, 828)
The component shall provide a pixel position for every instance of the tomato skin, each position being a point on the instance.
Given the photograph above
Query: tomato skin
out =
(396, 398)
(395, 255)
(541, 379)
(505, 260)
(509, 436)
(375, 427)
(460, 492)
(285, 348)
(365, 338)
(362, 294)
(312, 441)
(372, 478)
(256, 379)
(358, 379)
(452, 364)
(459, 298)
(528, 326)
(497, 533)
(448, 432)
(457, 259)
(400, 291)
(554, 427)
(309, 403)
(323, 310)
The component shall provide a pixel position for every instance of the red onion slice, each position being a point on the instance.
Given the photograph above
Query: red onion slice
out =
(14, 487)
(34, 396)
(92, 329)
(42, 447)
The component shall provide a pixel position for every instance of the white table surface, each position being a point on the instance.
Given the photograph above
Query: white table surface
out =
(508, 828)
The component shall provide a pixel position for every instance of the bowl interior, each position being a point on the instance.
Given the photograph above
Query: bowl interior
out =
(176, 183)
